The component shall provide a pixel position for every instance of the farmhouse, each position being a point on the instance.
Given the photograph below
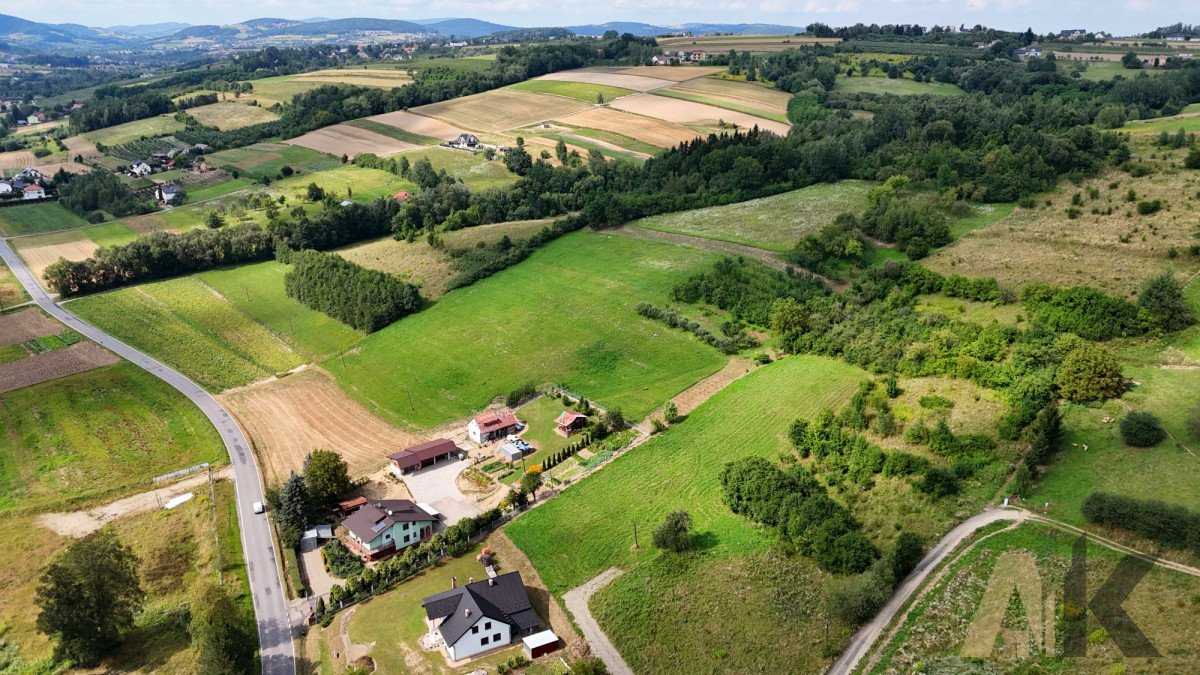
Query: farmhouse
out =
(570, 422)
(482, 616)
(492, 425)
(33, 191)
(380, 528)
(141, 169)
(426, 454)
(1071, 32)
(662, 60)
(696, 55)
(1032, 51)
(464, 141)
(167, 192)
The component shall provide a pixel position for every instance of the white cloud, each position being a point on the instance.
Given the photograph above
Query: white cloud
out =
(830, 6)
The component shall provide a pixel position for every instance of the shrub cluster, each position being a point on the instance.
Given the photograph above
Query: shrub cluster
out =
(674, 319)
(339, 561)
(1084, 311)
(475, 264)
(364, 299)
(1167, 524)
(1142, 429)
(521, 394)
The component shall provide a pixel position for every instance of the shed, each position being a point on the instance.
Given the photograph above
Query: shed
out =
(511, 452)
(426, 454)
(540, 644)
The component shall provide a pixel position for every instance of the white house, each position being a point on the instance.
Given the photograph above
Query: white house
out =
(167, 192)
(490, 426)
(482, 616)
(141, 169)
(33, 191)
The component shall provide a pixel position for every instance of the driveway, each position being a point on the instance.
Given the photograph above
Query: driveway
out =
(576, 600)
(319, 581)
(436, 486)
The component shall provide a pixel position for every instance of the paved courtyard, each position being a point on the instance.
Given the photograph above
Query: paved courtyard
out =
(436, 486)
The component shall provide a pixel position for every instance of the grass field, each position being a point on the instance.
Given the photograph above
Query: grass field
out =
(774, 223)
(540, 414)
(968, 310)
(11, 290)
(282, 88)
(35, 218)
(727, 104)
(566, 314)
(257, 291)
(898, 87)
(345, 181)
(680, 470)
(578, 134)
(1103, 70)
(472, 169)
(266, 159)
(1165, 472)
(121, 134)
(577, 90)
(183, 322)
(1187, 121)
(934, 635)
(196, 194)
(227, 115)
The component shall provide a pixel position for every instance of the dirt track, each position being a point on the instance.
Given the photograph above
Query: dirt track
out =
(290, 417)
(576, 600)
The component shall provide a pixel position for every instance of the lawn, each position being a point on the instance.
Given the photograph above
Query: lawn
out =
(93, 435)
(722, 103)
(186, 324)
(227, 115)
(257, 290)
(540, 414)
(567, 314)
(472, 169)
(680, 470)
(11, 290)
(775, 223)
(1165, 472)
(899, 87)
(577, 90)
(121, 134)
(34, 218)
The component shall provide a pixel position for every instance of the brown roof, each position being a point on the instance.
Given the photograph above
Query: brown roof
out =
(419, 453)
(496, 420)
(374, 517)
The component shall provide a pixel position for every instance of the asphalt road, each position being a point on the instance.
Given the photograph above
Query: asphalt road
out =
(270, 603)
(860, 644)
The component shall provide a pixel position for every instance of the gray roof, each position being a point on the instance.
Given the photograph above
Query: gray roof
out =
(367, 522)
(501, 598)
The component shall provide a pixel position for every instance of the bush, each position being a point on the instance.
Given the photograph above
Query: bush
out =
(339, 560)
(1141, 429)
(670, 412)
(1089, 373)
(675, 533)
(520, 395)
(1148, 207)
(938, 482)
(1167, 524)
(858, 598)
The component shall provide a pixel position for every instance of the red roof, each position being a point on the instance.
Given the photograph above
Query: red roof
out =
(401, 195)
(32, 188)
(568, 417)
(417, 454)
(496, 420)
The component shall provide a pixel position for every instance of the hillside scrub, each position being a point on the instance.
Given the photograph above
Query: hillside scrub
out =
(1166, 524)
(363, 299)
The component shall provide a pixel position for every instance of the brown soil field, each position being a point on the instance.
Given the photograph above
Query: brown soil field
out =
(69, 167)
(685, 112)
(41, 251)
(418, 124)
(645, 129)
(674, 74)
(345, 139)
(290, 417)
(26, 325)
(743, 93)
(48, 366)
(77, 145)
(17, 159)
(502, 109)
(1043, 244)
(634, 82)
(417, 263)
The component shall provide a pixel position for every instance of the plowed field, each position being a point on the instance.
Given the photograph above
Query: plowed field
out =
(53, 365)
(26, 325)
(342, 139)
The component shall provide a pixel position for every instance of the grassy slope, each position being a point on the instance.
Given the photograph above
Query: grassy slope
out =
(774, 223)
(131, 131)
(393, 132)
(227, 115)
(92, 434)
(183, 322)
(566, 314)
(721, 103)
(474, 170)
(577, 90)
(899, 87)
(34, 218)
(680, 470)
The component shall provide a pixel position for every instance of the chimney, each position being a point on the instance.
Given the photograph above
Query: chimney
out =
(470, 580)
(467, 612)
(453, 582)
(491, 581)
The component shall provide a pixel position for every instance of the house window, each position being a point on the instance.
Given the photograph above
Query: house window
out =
(406, 538)
(474, 630)
(483, 641)
(496, 637)
(487, 625)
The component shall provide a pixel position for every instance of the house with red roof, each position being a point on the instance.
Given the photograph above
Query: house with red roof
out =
(424, 455)
(33, 191)
(570, 422)
(491, 425)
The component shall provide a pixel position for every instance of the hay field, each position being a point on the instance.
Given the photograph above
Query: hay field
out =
(282, 88)
(502, 109)
(163, 125)
(418, 124)
(351, 140)
(634, 82)
(1044, 244)
(688, 112)
(17, 159)
(78, 145)
(41, 251)
(739, 93)
(674, 74)
(290, 417)
(69, 167)
(417, 263)
(656, 132)
(227, 115)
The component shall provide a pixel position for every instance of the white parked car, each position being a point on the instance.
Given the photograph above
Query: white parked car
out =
(258, 507)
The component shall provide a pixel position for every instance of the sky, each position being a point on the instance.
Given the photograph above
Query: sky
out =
(1115, 16)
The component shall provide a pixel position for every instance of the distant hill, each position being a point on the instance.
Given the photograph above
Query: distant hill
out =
(150, 30)
(647, 30)
(351, 25)
(465, 28)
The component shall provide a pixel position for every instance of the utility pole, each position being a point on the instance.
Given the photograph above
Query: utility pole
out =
(635, 540)
(212, 495)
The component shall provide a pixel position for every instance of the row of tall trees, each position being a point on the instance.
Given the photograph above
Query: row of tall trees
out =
(363, 299)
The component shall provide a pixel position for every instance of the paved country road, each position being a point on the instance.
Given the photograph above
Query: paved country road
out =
(270, 605)
(866, 636)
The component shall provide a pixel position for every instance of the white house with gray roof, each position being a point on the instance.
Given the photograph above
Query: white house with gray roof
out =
(482, 616)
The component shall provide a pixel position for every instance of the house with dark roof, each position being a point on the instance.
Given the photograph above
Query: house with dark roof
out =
(426, 454)
(482, 616)
(383, 527)
(167, 192)
(491, 425)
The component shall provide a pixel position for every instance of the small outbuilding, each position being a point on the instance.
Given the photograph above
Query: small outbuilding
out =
(424, 455)
(570, 422)
(511, 452)
(540, 644)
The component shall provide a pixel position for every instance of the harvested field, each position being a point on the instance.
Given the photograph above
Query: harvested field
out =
(363, 77)
(41, 251)
(738, 93)
(48, 366)
(673, 74)
(69, 167)
(687, 112)
(502, 109)
(227, 115)
(78, 145)
(290, 417)
(646, 129)
(350, 140)
(418, 124)
(634, 82)
(17, 159)
(417, 263)
(26, 325)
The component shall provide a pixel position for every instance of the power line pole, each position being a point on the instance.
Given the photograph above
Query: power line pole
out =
(635, 540)
(212, 495)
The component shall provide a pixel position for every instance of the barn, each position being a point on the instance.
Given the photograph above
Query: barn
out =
(424, 455)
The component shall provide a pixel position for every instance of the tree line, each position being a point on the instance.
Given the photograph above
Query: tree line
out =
(363, 299)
